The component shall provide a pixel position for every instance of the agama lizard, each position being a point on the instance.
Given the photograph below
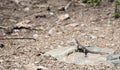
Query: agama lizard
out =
(81, 48)
(86, 50)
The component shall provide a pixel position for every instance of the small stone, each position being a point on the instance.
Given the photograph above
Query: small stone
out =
(1, 61)
(93, 36)
(35, 36)
(51, 13)
(42, 68)
(52, 31)
(60, 46)
(61, 65)
(26, 9)
(96, 29)
(112, 44)
(102, 36)
(63, 17)
(74, 24)
(82, 25)
(16, 31)
(16, 69)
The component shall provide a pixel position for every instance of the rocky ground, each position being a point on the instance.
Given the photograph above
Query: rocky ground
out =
(29, 28)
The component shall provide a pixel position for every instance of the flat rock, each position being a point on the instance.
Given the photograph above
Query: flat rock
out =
(80, 59)
(61, 52)
(69, 55)
(100, 50)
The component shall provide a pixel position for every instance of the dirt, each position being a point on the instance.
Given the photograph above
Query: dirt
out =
(90, 25)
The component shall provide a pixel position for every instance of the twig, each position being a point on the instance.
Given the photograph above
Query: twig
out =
(17, 38)
(68, 5)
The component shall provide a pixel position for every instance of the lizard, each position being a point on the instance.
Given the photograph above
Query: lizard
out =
(81, 48)
(84, 49)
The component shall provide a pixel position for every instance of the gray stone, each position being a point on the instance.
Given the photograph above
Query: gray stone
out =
(61, 52)
(96, 55)
(100, 50)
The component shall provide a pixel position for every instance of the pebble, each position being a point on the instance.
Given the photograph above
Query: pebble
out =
(52, 31)
(35, 36)
(92, 36)
(102, 36)
(82, 25)
(42, 68)
(51, 13)
(16, 69)
(97, 29)
(74, 24)
(63, 17)
(1, 61)
(61, 65)
(26, 9)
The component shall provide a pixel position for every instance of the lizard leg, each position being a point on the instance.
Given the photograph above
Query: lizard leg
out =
(86, 52)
